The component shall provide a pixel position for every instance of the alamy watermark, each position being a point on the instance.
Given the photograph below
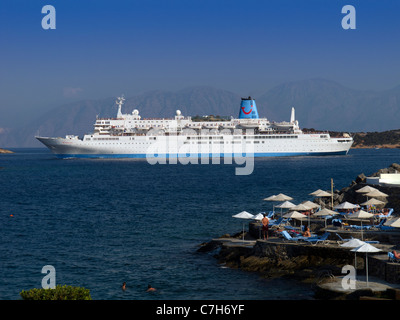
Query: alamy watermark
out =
(49, 20)
(349, 280)
(191, 147)
(49, 280)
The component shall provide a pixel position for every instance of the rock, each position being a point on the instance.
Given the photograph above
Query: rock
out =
(361, 178)
(395, 166)
(5, 151)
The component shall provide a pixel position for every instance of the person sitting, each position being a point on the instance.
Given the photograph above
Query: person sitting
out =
(306, 232)
(396, 254)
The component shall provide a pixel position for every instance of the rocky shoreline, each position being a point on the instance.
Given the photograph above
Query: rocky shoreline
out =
(349, 193)
(377, 146)
(5, 151)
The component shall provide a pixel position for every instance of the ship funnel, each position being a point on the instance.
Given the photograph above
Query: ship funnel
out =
(248, 109)
(292, 117)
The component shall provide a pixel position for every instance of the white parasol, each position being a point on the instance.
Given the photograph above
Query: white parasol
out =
(376, 193)
(279, 197)
(295, 215)
(322, 194)
(346, 205)
(366, 189)
(324, 213)
(285, 205)
(243, 215)
(258, 216)
(372, 202)
(315, 192)
(366, 247)
(393, 223)
(353, 243)
(361, 214)
(282, 197)
(310, 204)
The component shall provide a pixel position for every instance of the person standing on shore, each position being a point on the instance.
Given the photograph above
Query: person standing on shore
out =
(265, 223)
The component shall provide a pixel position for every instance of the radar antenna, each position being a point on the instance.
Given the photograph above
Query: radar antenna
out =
(120, 102)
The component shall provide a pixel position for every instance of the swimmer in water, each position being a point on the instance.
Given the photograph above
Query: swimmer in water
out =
(150, 288)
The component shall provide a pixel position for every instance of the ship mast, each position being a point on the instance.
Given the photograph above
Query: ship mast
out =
(120, 102)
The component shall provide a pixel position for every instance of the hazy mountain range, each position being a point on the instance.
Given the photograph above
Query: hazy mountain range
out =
(319, 104)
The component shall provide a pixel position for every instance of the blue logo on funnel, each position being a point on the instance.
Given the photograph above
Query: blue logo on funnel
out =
(248, 109)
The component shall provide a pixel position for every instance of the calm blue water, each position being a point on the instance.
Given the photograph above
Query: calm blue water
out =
(103, 222)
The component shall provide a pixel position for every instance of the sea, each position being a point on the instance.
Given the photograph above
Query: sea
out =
(102, 222)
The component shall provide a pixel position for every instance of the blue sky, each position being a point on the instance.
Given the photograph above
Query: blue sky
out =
(105, 48)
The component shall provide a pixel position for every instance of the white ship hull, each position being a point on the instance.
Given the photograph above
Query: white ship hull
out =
(129, 136)
(192, 146)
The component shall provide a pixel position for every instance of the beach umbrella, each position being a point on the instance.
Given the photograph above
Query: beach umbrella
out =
(302, 207)
(285, 205)
(243, 215)
(315, 192)
(270, 198)
(346, 205)
(311, 205)
(322, 194)
(295, 215)
(372, 202)
(324, 213)
(282, 197)
(353, 243)
(393, 223)
(367, 248)
(279, 197)
(258, 216)
(376, 193)
(361, 214)
(366, 189)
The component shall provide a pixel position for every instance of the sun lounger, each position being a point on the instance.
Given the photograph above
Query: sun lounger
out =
(386, 215)
(367, 227)
(316, 240)
(381, 226)
(288, 237)
(277, 222)
(270, 214)
(341, 239)
(344, 240)
(392, 258)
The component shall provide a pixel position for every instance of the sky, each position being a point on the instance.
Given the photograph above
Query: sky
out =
(104, 48)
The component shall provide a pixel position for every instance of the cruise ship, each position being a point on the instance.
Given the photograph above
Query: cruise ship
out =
(130, 136)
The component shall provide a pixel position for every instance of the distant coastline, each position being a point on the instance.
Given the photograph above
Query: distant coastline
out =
(5, 151)
(379, 146)
(369, 140)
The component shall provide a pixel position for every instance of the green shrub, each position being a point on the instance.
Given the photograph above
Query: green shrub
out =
(59, 293)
